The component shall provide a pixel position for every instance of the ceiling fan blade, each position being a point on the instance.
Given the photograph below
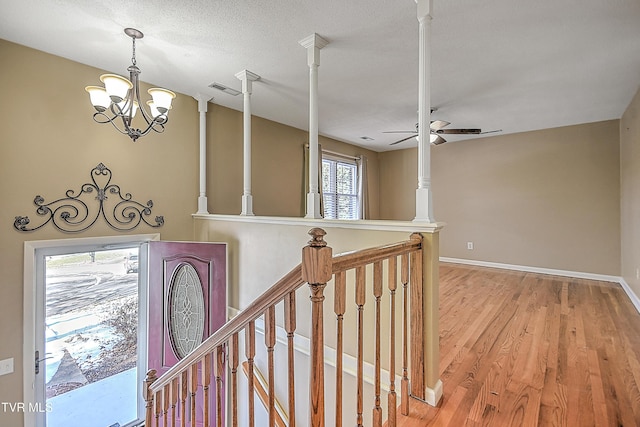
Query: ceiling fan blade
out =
(491, 131)
(458, 131)
(438, 124)
(439, 140)
(400, 131)
(402, 140)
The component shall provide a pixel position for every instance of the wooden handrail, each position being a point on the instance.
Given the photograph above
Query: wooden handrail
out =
(349, 260)
(289, 283)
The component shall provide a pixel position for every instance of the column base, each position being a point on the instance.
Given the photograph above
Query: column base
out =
(313, 206)
(424, 206)
(247, 205)
(202, 205)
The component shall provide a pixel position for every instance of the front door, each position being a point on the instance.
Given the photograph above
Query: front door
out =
(187, 301)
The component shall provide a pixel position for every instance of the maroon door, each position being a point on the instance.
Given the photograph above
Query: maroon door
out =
(187, 302)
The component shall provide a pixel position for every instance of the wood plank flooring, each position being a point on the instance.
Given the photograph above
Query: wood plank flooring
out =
(525, 349)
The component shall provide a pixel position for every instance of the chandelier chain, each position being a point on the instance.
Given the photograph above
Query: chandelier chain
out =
(133, 55)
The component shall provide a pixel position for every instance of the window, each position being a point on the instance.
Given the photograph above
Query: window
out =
(339, 188)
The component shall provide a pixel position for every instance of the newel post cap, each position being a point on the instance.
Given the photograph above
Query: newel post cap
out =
(149, 379)
(317, 258)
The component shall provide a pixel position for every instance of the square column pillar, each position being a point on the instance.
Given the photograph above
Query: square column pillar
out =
(247, 77)
(313, 44)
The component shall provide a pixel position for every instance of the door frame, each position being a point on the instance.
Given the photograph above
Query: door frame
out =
(34, 253)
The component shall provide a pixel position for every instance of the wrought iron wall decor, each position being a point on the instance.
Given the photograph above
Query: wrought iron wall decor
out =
(72, 215)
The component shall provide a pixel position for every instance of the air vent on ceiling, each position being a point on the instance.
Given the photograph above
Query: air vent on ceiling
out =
(225, 89)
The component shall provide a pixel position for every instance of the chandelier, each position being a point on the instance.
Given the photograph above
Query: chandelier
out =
(119, 100)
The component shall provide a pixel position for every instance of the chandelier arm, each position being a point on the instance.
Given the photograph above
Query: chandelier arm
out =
(108, 119)
(126, 119)
(155, 126)
(134, 73)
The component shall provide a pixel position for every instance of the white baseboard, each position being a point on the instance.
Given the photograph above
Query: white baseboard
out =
(632, 296)
(433, 395)
(565, 273)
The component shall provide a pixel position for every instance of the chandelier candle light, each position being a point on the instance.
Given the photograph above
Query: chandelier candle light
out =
(121, 97)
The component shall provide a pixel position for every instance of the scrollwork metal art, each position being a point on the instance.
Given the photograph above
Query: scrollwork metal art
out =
(71, 214)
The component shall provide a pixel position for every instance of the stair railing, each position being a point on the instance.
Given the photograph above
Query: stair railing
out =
(173, 397)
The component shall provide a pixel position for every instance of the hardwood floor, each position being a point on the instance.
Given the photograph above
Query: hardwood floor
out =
(525, 349)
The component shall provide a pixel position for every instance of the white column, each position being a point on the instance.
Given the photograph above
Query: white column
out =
(247, 77)
(424, 203)
(313, 44)
(203, 102)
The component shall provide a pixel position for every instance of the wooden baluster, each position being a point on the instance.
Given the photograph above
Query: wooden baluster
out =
(377, 293)
(166, 401)
(417, 325)
(404, 278)
(184, 391)
(158, 401)
(206, 382)
(270, 342)
(316, 271)
(360, 300)
(250, 352)
(392, 283)
(290, 327)
(219, 384)
(174, 400)
(339, 307)
(233, 361)
(194, 389)
(148, 396)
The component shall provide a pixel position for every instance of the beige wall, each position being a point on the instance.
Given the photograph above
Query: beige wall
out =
(277, 159)
(48, 144)
(630, 193)
(547, 199)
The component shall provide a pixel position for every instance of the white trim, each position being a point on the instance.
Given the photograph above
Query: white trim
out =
(361, 224)
(565, 273)
(632, 296)
(30, 295)
(434, 395)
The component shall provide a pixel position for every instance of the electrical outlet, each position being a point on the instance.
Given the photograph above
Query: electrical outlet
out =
(470, 246)
(637, 273)
(6, 366)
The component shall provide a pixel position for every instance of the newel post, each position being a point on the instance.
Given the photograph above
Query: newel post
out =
(148, 396)
(316, 270)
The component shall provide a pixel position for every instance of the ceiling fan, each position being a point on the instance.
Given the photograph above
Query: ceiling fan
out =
(436, 129)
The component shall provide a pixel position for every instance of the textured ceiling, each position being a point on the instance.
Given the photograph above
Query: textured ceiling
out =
(496, 64)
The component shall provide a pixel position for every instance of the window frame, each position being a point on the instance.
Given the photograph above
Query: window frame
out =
(336, 159)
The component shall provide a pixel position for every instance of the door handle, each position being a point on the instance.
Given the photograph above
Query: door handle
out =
(38, 360)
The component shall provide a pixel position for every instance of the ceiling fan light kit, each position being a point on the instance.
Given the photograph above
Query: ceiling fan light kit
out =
(119, 100)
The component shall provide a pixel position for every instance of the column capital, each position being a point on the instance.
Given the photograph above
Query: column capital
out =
(203, 101)
(313, 44)
(247, 77)
(425, 7)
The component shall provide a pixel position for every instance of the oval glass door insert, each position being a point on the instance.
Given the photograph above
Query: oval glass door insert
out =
(186, 310)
